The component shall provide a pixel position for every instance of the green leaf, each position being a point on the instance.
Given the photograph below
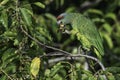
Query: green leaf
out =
(55, 69)
(111, 15)
(26, 16)
(91, 78)
(58, 77)
(95, 11)
(88, 73)
(10, 34)
(71, 9)
(113, 70)
(101, 77)
(39, 4)
(108, 40)
(110, 76)
(61, 2)
(16, 42)
(8, 57)
(2, 7)
(117, 50)
(42, 34)
(50, 16)
(35, 66)
(108, 28)
(98, 20)
(3, 77)
(3, 2)
(11, 68)
(117, 76)
(47, 72)
(4, 19)
(9, 52)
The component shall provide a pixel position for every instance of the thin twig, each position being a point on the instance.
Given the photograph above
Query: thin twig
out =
(78, 55)
(6, 74)
(65, 52)
(50, 47)
(52, 54)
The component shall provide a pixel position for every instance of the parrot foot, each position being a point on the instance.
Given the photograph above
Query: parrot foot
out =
(67, 31)
(80, 51)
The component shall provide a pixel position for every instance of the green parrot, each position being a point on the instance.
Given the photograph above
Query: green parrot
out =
(85, 31)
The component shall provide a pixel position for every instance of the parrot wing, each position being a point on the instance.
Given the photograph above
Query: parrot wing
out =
(88, 32)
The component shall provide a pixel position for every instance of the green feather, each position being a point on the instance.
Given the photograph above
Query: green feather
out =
(86, 32)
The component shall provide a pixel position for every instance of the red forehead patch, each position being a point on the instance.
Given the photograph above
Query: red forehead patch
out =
(59, 17)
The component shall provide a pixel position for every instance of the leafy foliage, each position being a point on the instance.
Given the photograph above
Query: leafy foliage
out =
(25, 23)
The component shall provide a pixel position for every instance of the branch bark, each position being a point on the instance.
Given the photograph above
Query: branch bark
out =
(64, 53)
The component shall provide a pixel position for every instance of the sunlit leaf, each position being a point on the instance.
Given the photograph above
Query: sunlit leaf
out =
(98, 20)
(50, 16)
(57, 77)
(71, 9)
(96, 11)
(47, 72)
(111, 15)
(108, 40)
(88, 73)
(55, 69)
(35, 66)
(101, 77)
(110, 76)
(3, 2)
(107, 27)
(16, 42)
(39, 4)
(10, 34)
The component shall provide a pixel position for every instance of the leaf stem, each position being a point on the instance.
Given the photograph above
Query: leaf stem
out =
(6, 74)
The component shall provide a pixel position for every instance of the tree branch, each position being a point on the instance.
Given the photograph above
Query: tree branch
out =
(41, 44)
(64, 53)
(76, 55)
(6, 74)
(69, 54)
(92, 58)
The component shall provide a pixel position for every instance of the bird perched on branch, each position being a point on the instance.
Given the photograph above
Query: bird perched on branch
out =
(85, 31)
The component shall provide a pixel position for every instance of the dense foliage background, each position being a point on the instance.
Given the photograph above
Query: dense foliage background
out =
(29, 40)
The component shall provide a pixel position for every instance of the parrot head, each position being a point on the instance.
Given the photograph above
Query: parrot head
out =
(63, 20)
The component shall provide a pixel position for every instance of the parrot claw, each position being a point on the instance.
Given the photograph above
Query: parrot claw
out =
(66, 31)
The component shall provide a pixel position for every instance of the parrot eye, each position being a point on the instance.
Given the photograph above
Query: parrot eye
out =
(61, 22)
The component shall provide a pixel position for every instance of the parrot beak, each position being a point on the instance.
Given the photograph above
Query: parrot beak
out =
(61, 27)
